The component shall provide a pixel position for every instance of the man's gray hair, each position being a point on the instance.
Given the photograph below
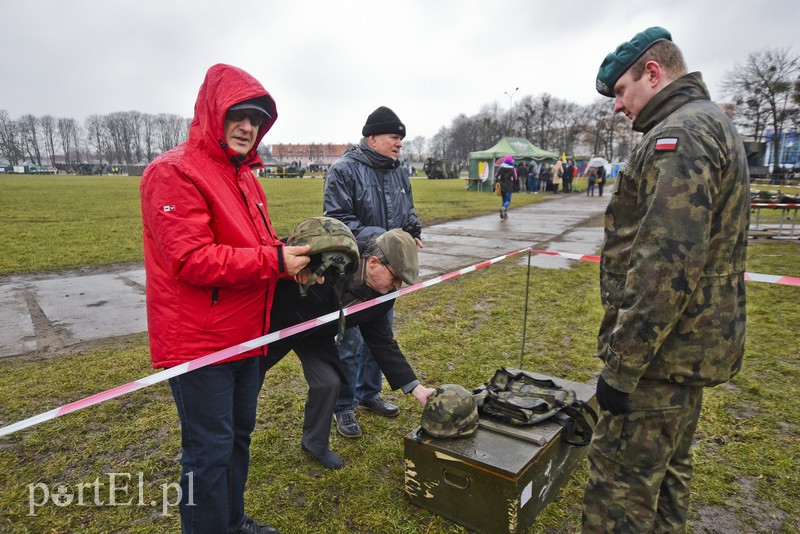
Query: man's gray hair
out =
(371, 248)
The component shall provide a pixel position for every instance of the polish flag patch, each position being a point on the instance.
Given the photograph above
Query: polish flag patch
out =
(666, 144)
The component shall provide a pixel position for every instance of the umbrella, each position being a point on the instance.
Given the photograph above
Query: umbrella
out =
(597, 162)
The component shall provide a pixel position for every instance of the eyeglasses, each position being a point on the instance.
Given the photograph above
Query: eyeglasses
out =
(257, 119)
(391, 272)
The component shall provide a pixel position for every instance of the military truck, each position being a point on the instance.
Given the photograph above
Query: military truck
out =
(436, 169)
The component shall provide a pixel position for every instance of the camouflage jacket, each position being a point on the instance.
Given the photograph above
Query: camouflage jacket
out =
(673, 260)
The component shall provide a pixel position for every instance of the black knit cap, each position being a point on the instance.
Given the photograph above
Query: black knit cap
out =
(383, 121)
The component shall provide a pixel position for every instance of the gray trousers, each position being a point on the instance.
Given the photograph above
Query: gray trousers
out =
(323, 390)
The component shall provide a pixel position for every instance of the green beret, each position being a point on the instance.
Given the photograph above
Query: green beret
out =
(620, 60)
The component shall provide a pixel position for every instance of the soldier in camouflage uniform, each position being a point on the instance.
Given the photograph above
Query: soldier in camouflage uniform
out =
(672, 286)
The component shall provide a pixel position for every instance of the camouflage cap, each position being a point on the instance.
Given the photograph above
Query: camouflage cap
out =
(400, 250)
(450, 412)
(620, 60)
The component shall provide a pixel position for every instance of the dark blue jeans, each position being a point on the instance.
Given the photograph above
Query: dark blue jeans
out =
(217, 409)
(364, 379)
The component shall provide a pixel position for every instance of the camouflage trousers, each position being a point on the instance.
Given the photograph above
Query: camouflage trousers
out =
(640, 464)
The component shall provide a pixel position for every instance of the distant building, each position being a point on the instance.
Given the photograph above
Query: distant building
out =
(317, 154)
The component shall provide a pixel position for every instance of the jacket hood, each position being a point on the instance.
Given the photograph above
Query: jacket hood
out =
(371, 157)
(224, 86)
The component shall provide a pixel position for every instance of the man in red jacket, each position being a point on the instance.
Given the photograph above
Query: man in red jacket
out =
(212, 260)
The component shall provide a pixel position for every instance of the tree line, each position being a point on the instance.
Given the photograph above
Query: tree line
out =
(123, 137)
(764, 92)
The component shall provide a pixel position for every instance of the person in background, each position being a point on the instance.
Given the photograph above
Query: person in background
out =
(369, 190)
(569, 175)
(212, 260)
(591, 177)
(522, 172)
(601, 179)
(545, 176)
(672, 286)
(558, 175)
(533, 177)
(506, 176)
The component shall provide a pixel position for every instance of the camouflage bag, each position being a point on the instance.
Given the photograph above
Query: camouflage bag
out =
(518, 398)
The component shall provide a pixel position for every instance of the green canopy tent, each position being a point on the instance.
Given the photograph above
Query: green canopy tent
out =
(481, 163)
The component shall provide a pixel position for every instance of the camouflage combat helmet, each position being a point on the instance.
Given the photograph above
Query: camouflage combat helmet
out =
(450, 412)
(333, 247)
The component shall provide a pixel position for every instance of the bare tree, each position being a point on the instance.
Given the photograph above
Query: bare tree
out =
(48, 124)
(762, 89)
(439, 143)
(95, 135)
(149, 126)
(567, 121)
(29, 130)
(10, 139)
(171, 131)
(527, 114)
(464, 137)
(415, 148)
(135, 127)
(66, 129)
(544, 115)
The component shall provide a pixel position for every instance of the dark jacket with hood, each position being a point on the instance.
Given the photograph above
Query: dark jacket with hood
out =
(211, 255)
(291, 309)
(369, 192)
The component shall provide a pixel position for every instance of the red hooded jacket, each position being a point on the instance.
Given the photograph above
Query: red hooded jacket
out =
(211, 255)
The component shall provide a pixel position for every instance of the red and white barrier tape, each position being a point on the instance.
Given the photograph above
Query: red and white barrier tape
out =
(772, 205)
(218, 356)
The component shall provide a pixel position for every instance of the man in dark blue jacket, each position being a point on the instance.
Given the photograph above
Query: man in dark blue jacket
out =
(368, 189)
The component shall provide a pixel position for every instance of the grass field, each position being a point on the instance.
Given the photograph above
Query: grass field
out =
(56, 222)
(747, 453)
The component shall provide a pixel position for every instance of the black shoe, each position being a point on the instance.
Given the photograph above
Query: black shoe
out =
(346, 423)
(380, 406)
(250, 526)
(330, 459)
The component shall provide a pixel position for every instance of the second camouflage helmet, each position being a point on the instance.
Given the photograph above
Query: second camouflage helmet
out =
(451, 412)
(333, 246)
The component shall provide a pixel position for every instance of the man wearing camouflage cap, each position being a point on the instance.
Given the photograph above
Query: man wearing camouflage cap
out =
(386, 262)
(672, 286)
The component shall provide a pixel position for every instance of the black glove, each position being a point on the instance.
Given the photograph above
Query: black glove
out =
(413, 227)
(611, 399)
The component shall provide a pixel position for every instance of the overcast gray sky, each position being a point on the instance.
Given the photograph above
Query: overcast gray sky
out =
(329, 63)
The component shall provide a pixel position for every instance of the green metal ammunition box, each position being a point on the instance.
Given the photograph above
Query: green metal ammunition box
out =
(497, 480)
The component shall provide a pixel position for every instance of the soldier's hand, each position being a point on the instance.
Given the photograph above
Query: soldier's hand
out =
(612, 399)
(295, 259)
(422, 394)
